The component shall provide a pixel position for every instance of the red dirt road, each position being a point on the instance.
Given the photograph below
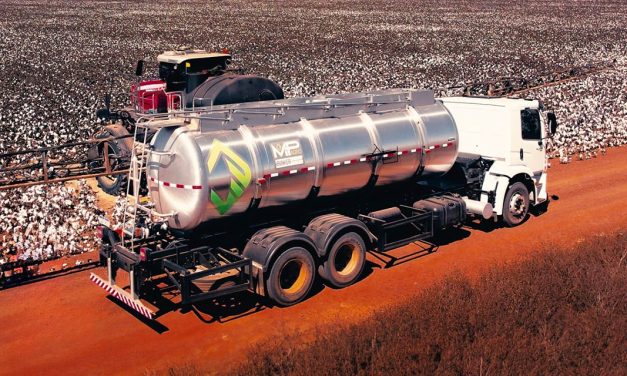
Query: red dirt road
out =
(67, 325)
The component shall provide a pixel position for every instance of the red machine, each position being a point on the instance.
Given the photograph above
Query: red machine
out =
(149, 96)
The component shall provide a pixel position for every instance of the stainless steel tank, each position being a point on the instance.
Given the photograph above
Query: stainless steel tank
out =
(229, 159)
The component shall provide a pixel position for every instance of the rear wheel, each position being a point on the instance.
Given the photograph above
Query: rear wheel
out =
(516, 204)
(345, 261)
(113, 184)
(291, 276)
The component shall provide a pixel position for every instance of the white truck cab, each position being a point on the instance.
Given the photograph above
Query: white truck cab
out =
(512, 133)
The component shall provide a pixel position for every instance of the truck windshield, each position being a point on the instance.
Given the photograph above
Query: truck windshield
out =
(530, 124)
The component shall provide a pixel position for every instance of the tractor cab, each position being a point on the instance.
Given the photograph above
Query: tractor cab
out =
(185, 70)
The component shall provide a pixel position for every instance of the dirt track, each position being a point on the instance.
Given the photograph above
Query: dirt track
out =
(67, 325)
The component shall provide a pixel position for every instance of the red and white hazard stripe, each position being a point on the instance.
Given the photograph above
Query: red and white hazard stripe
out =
(122, 297)
(437, 146)
(301, 170)
(267, 177)
(174, 185)
(329, 165)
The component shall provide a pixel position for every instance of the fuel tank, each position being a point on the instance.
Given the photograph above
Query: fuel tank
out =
(235, 158)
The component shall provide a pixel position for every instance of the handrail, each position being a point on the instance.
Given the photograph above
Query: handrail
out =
(277, 108)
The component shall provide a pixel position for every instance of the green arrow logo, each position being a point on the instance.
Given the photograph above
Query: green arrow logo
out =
(240, 175)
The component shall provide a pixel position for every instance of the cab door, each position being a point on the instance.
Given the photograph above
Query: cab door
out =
(532, 148)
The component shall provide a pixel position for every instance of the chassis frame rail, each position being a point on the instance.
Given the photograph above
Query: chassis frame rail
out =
(228, 261)
(417, 221)
(181, 265)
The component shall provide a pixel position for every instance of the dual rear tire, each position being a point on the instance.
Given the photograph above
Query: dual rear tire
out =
(291, 277)
(293, 273)
(345, 261)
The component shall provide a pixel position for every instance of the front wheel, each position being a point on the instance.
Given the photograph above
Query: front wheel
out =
(516, 205)
(291, 277)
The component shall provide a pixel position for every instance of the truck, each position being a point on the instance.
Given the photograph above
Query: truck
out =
(270, 195)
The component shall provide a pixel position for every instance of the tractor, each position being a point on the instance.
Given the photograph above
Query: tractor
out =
(186, 79)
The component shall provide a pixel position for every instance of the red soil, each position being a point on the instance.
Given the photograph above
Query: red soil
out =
(67, 325)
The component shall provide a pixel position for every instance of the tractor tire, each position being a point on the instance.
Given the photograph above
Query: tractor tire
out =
(291, 277)
(119, 150)
(516, 205)
(114, 184)
(345, 261)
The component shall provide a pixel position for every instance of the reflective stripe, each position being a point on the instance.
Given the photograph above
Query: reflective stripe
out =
(175, 185)
(122, 297)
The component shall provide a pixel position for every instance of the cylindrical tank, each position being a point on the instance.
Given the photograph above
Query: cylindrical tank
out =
(203, 173)
(233, 88)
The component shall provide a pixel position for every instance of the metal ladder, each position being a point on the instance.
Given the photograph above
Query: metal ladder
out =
(133, 193)
(136, 202)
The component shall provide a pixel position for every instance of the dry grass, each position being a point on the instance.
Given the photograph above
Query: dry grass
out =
(561, 312)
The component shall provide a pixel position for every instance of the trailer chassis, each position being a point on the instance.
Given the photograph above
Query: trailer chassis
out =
(186, 265)
(420, 221)
(182, 265)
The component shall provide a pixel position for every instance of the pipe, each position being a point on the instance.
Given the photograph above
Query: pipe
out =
(483, 209)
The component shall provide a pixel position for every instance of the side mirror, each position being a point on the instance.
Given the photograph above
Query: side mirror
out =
(139, 70)
(552, 122)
